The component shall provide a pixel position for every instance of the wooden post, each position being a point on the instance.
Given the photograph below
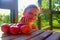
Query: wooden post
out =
(50, 8)
(14, 13)
(14, 16)
(39, 15)
(39, 23)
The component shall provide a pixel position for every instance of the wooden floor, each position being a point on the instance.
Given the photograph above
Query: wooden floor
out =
(34, 35)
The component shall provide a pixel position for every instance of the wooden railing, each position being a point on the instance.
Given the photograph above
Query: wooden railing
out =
(50, 12)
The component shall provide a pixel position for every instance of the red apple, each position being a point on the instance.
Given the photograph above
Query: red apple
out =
(5, 28)
(14, 29)
(19, 25)
(25, 29)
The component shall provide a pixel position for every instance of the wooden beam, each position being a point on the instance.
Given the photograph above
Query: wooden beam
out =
(44, 11)
(39, 21)
(14, 16)
(39, 17)
(55, 12)
(50, 8)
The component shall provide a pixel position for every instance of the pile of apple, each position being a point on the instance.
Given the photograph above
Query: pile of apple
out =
(15, 28)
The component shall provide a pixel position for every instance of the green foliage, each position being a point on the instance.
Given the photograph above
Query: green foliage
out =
(4, 19)
(45, 17)
(45, 20)
(56, 4)
(45, 4)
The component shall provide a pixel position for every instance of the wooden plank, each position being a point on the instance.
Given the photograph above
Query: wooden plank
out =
(43, 36)
(55, 12)
(9, 37)
(2, 35)
(30, 35)
(33, 30)
(55, 36)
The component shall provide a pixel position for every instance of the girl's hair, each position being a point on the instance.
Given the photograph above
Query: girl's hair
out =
(30, 7)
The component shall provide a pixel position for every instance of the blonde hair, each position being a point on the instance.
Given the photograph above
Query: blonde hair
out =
(30, 7)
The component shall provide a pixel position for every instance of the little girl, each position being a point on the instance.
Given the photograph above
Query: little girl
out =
(29, 15)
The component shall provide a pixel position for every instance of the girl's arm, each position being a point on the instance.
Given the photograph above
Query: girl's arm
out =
(34, 26)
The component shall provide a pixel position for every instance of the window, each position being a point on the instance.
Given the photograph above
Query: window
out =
(4, 16)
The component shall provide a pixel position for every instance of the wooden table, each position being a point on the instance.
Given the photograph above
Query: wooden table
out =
(34, 35)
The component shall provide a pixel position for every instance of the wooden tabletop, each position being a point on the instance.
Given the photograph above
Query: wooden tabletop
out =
(34, 35)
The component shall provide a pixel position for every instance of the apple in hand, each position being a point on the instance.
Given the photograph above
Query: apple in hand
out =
(5, 28)
(14, 29)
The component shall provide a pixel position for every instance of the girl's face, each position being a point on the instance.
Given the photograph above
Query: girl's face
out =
(31, 14)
